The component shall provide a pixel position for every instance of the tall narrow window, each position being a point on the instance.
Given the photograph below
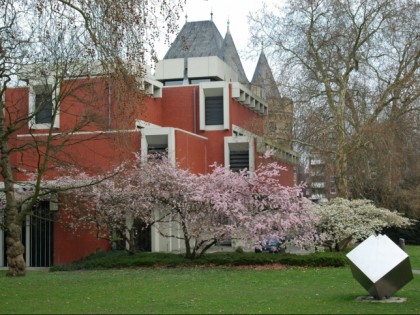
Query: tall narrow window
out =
(214, 110)
(43, 105)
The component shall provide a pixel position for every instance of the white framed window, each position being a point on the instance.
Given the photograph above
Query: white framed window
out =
(158, 140)
(239, 153)
(43, 103)
(214, 105)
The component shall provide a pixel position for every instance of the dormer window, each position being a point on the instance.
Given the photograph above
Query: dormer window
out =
(42, 106)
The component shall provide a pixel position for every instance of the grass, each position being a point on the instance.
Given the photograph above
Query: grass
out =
(192, 290)
(197, 290)
(414, 253)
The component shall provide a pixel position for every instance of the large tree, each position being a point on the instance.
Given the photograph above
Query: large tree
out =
(53, 41)
(347, 65)
(200, 210)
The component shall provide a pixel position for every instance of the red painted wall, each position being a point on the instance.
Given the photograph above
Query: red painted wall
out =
(17, 104)
(70, 246)
(286, 177)
(244, 117)
(178, 107)
(191, 152)
(91, 153)
(152, 111)
(85, 103)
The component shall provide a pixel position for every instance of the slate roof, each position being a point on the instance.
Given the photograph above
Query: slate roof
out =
(203, 39)
(229, 54)
(196, 39)
(264, 78)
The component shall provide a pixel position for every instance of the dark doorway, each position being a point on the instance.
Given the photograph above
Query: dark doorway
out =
(143, 236)
(39, 231)
(41, 236)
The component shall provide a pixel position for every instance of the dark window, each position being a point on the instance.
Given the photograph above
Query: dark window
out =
(239, 160)
(157, 151)
(196, 81)
(142, 237)
(173, 82)
(272, 127)
(214, 110)
(43, 105)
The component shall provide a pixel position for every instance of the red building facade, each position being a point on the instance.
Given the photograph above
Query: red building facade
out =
(198, 107)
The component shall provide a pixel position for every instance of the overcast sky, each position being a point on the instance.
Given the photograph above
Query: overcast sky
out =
(236, 11)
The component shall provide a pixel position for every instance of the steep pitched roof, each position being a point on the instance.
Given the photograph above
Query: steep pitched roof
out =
(263, 77)
(196, 39)
(229, 54)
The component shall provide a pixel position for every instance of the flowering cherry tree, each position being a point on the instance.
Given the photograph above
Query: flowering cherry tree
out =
(342, 221)
(202, 209)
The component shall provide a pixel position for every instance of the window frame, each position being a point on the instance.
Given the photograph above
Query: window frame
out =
(214, 88)
(55, 92)
(159, 131)
(237, 141)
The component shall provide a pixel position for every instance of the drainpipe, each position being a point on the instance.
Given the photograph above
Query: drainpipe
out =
(109, 105)
(195, 109)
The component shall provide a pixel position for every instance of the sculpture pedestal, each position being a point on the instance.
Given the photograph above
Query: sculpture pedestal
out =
(371, 299)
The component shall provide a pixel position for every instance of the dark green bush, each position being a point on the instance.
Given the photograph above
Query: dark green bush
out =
(120, 259)
(411, 234)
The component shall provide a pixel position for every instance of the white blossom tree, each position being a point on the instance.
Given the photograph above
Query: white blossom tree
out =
(342, 221)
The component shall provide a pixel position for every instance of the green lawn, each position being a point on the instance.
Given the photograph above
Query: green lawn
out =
(414, 253)
(200, 290)
(197, 290)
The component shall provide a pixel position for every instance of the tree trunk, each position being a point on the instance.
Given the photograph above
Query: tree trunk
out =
(15, 249)
(130, 241)
(342, 164)
(188, 253)
(342, 245)
(342, 186)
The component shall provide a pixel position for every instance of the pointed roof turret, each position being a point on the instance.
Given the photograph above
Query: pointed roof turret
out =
(263, 77)
(196, 39)
(229, 54)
